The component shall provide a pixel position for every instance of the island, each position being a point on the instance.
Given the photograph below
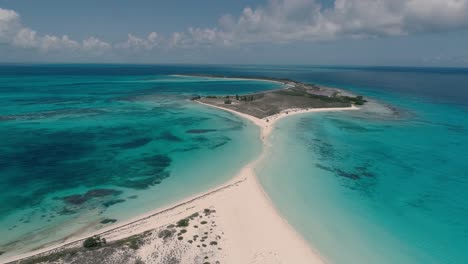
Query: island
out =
(295, 95)
(233, 223)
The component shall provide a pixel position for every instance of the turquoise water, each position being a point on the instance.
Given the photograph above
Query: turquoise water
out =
(80, 143)
(77, 149)
(373, 188)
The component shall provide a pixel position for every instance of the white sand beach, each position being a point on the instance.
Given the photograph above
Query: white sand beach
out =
(268, 123)
(251, 227)
(229, 78)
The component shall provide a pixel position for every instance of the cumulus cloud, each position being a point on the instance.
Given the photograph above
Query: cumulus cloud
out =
(278, 21)
(28, 38)
(136, 43)
(195, 37)
(307, 20)
(93, 43)
(25, 38)
(17, 35)
(14, 33)
(398, 17)
(9, 23)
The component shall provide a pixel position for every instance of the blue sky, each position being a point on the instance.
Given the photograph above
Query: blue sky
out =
(327, 32)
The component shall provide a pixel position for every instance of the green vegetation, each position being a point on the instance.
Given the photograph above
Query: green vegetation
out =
(306, 94)
(183, 231)
(196, 97)
(192, 216)
(166, 233)
(213, 243)
(237, 97)
(92, 247)
(108, 221)
(249, 98)
(183, 222)
(227, 101)
(134, 242)
(203, 222)
(208, 211)
(358, 100)
(211, 96)
(94, 242)
(50, 258)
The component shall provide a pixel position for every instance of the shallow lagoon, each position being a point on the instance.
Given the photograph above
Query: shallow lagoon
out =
(79, 149)
(361, 189)
(374, 188)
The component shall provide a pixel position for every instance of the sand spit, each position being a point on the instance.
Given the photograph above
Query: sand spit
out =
(243, 225)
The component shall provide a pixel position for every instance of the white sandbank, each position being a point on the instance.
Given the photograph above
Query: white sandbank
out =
(230, 78)
(266, 124)
(254, 231)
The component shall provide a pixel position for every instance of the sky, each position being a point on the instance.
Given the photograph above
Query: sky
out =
(430, 33)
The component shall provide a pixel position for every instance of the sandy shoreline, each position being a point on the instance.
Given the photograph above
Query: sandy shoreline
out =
(254, 231)
(267, 124)
(233, 78)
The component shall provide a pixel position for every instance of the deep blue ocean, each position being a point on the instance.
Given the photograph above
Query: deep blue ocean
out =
(79, 143)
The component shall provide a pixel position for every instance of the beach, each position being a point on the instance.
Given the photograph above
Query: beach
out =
(361, 186)
(253, 231)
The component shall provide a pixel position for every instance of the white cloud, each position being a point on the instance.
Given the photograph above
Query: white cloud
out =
(25, 38)
(180, 39)
(397, 17)
(136, 43)
(433, 15)
(93, 43)
(50, 42)
(152, 37)
(9, 23)
(28, 38)
(279, 21)
(306, 20)
(17, 35)
(195, 37)
(8, 15)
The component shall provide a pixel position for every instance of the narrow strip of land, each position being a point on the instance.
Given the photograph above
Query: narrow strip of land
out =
(243, 223)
